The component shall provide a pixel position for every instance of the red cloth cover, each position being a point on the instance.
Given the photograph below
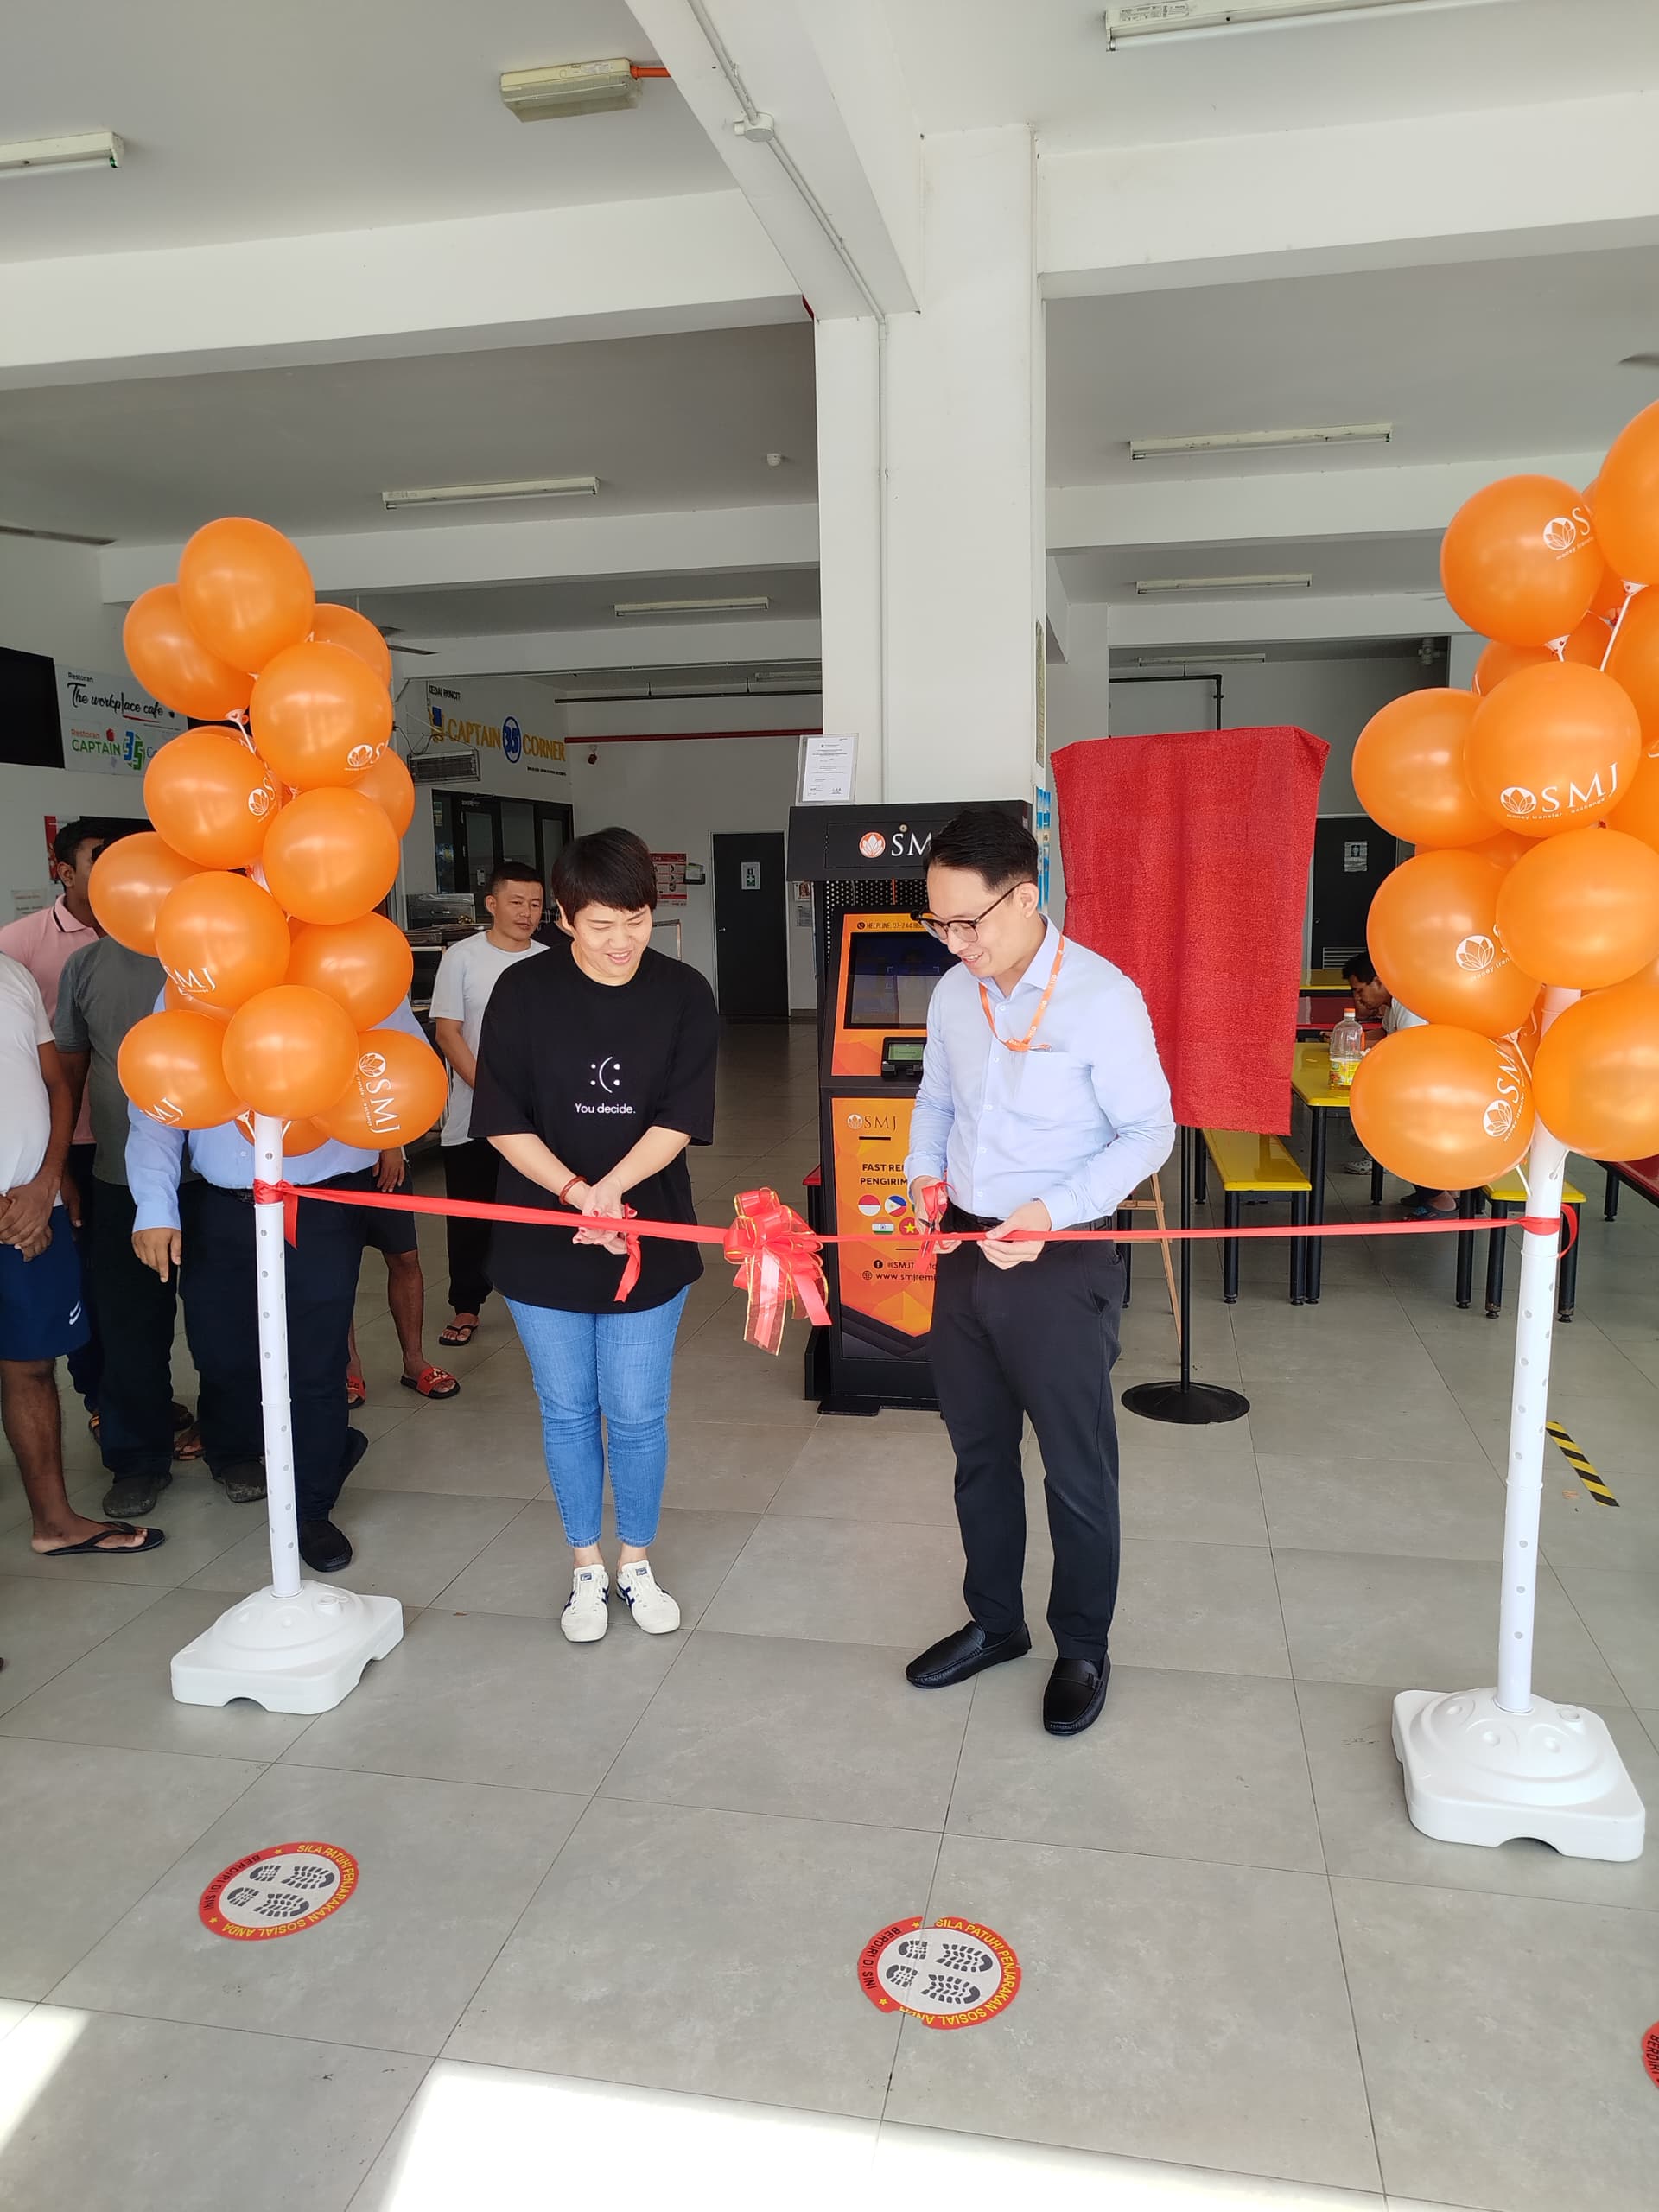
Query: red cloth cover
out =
(1186, 859)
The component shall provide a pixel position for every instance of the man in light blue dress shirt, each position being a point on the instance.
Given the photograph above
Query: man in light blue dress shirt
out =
(1042, 1106)
(217, 1278)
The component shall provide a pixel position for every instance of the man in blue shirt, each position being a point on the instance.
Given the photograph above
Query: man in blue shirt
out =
(220, 1306)
(1042, 1106)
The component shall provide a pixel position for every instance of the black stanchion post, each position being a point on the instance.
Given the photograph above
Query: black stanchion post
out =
(1192, 1405)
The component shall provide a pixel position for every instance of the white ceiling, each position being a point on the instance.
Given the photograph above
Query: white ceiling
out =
(585, 603)
(275, 121)
(970, 64)
(677, 422)
(1341, 568)
(1487, 359)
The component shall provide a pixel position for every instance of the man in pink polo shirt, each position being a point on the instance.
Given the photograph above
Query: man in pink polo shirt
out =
(42, 943)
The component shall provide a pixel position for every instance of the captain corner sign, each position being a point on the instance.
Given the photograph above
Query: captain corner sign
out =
(109, 723)
(459, 719)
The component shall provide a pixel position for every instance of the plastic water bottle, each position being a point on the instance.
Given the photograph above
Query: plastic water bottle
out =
(1347, 1049)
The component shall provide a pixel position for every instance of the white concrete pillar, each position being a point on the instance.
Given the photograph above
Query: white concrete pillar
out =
(955, 540)
(1463, 649)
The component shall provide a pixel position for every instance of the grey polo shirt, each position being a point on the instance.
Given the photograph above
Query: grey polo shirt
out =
(104, 990)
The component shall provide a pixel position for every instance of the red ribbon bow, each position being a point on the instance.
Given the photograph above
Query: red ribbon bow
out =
(932, 1199)
(776, 1256)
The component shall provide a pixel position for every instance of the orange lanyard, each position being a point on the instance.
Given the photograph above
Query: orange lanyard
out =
(1023, 1044)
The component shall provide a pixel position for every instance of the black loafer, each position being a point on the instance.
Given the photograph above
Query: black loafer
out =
(969, 1651)
(324, 1547)
(1076, 1692)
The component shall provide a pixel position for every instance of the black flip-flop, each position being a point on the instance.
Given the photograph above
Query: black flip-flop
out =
(459, 1334)
(153, 1539)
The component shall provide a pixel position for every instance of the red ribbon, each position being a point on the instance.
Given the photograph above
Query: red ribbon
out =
(776, 1256)
(932, 1196)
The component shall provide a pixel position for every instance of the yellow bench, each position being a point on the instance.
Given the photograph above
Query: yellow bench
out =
(1507, 1195)
(1248, 1165)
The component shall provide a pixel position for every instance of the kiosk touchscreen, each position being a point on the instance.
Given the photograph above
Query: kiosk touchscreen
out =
(874, 1030)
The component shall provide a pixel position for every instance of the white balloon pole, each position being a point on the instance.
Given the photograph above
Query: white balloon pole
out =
(1487, 1765)
(297, 1646)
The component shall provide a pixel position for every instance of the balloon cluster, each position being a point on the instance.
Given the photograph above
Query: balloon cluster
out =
(1533, 800)
(277, 836)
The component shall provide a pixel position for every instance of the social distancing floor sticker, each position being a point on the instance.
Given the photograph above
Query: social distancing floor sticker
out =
(278, 1890)
(952, 1974)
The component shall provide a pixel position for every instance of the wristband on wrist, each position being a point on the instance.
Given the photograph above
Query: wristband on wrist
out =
(564, 1194)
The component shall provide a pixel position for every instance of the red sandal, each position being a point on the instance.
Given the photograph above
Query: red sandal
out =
(432, 1382)
(357, 1392)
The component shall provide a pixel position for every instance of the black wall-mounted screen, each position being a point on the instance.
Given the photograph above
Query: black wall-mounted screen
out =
(29, 736)
(890, 978)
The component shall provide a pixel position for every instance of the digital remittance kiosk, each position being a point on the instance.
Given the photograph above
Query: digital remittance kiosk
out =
(877, 969)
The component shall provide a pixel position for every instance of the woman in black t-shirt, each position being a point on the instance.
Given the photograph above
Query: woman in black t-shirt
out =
(596, 1071)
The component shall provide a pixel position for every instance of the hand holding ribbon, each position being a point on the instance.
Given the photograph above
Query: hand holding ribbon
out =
(776, 1256)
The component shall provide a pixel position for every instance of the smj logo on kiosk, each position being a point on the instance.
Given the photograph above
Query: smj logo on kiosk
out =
(278, 1890)
(953, 1974)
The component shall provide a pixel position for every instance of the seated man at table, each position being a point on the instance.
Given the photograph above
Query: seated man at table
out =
(1374, 1002)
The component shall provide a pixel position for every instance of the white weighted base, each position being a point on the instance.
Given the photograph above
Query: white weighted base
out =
(290, 1655)
(1476, 1774)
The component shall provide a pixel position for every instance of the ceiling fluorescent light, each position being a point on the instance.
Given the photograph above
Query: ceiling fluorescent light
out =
(52, 537)
(526, 487)
(748, 605)
(1193, 660)
(1151, 587)
(569, 88)
(1184, 19)
(82, 149)
(1343, 433)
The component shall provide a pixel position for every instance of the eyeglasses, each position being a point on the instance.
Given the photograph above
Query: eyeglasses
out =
(968, 931)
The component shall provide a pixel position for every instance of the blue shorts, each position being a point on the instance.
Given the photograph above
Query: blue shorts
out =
(42, 1312)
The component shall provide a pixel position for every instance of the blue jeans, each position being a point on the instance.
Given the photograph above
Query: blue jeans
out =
(585, 1365)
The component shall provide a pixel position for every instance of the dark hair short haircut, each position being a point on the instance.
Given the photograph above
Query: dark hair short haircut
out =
(612, 868)
(995, 844)
(1359, 969)
(73, 835)
(511, 872)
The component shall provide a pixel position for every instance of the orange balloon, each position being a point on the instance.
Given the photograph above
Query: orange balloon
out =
(1519, 561)
(319, 717)
(1587, 646)
(173, 1001)
(1443, 1107)
(389, 785)
(396, 1094)
(1610, 594)
(290, 1052)
(210, 797)
(1582, 911)
(1596, 1075)
(167, 658)
(1525, 1040)
(1504, 849)
(1638, 812)
(330, 856)
(245, 591)
(365, 966)
(1432, 933)
(1407, 769)
(1627, 500)
(171, 1066)
(1553, 749)
(131, 880)
(298, 1137)
(344, 625)
(1634, 662)
(221, 938)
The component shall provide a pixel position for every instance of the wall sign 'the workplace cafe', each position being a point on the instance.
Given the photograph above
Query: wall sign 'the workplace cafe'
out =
(457, 716)
(110, 724)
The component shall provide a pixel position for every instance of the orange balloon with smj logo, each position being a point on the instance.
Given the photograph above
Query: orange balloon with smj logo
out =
(172, 1067)
(221, 938)
(1519, 561)
(1627, 500)
(1432, 933)
(391, 787)
(173, 1001)
(1553, 749)
(320, 715)
(397, 1092)
(1443, 1107)
(1634, 662)
(210, 797)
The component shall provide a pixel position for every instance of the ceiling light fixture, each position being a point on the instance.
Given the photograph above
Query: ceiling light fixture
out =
(1183, 19)
(50, 537)
(525, 487)
(1341, 434)
(569, 88)
(1193, 660)
(82, 150)
(1640, 361)
(752, 605)
(1153, 587)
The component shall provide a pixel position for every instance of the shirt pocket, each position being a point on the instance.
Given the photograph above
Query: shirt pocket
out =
(1055, 1091)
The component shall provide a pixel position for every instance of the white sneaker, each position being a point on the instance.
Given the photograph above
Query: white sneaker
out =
(651, 1607)
(587, 1616)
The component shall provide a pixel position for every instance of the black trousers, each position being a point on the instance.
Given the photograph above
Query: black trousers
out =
(139, 1312)
(86, 1364)
(469, 1173)
(1038, 1339)
(221, 1321)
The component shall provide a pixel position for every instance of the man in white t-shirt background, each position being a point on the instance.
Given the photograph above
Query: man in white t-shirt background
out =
(467, 973)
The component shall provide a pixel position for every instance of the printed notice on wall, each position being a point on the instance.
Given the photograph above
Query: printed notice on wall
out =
(670, 878)
(827, 768)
